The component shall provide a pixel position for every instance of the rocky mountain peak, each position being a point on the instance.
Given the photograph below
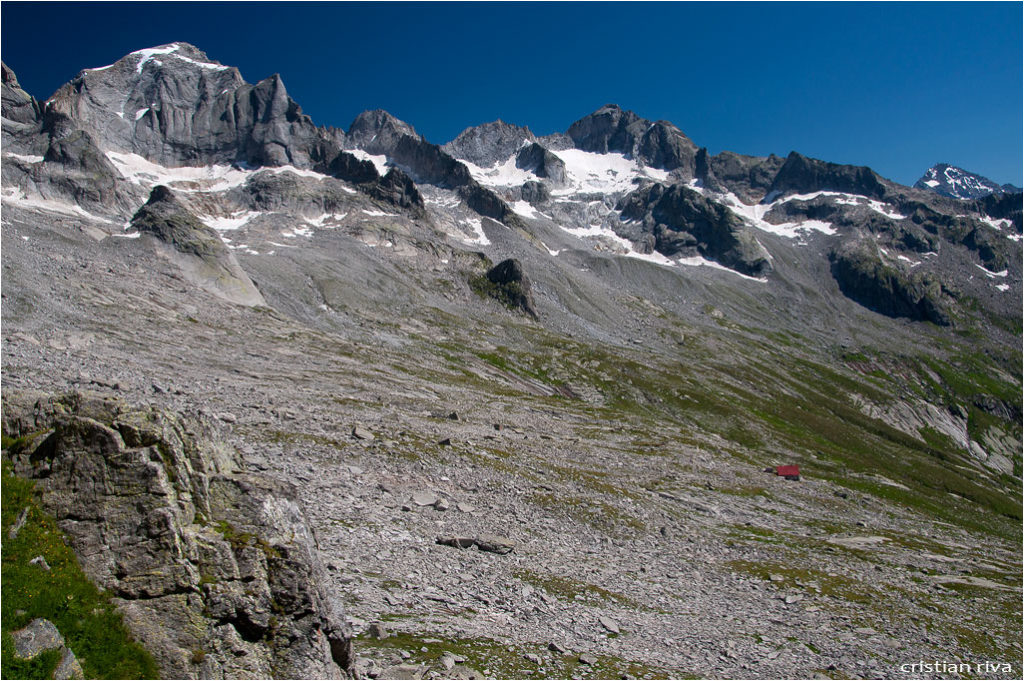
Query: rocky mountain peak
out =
(377, 131)
(611, 129)
(957, 183)
(486, 144)
(174, 106)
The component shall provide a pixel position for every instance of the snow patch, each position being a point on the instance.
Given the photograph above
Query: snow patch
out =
(140, 113)
(993, 275)
(550, 252)
(525, 209)
(323, 221)
(502, 174)
(15, 196)
(148, 55)
(229, 223)
(142, 172)
(477, 225)
(700, 261)
(380, 162)
(620, 246)
(1003, 287)
(754, 215)
(301, 172)
(297, 231)
(589, 171)
(996, 224)
(24, 158)
(379, 214)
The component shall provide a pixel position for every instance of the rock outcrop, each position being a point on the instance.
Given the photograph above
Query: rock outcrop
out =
(197, 249)
(39, 636)
(215, 571)
(864, 276)
(802, 175)
(507, 283)
(677, 220)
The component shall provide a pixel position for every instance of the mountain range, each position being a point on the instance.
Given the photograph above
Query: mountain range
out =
(512, 396)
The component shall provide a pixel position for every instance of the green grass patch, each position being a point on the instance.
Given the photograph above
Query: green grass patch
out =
(84, 615)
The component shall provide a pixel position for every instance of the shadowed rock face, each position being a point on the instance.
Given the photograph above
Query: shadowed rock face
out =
(680, 221)
(200, 555)
(610, 129)
(541, 162)
(802, 175)
(864, 276)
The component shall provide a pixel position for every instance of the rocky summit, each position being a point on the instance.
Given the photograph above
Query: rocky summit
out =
(311, 403)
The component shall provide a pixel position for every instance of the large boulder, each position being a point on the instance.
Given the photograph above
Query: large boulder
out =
(507, 283)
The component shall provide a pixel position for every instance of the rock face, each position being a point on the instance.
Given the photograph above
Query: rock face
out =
(863, 275)
(215, 570)
(195, 248)
(173, 105)
(802, 175)
(678, 220)
(485, 145)
(749, 177)
(610, 129)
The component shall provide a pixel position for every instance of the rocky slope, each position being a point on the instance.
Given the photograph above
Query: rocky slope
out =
(661, 325)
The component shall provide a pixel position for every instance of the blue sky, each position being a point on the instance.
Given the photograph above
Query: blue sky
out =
(896, 86)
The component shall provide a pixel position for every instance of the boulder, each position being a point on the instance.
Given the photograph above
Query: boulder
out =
(507, 283)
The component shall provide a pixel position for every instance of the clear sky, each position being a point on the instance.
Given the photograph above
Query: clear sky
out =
(896, 86)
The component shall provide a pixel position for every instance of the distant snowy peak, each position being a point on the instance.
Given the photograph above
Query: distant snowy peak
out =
(958, 183)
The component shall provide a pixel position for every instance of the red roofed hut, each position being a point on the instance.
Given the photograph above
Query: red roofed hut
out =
(788, 472)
